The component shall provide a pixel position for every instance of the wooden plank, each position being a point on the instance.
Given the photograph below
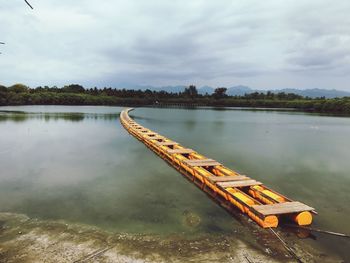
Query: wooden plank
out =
(282, 208)
(151, 134)
(155, 138)
(202, 162)
(169, 143)
(242, 183)
(227, 178)
(180, 151)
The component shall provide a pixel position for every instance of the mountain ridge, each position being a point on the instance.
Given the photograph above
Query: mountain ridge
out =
(241, 90)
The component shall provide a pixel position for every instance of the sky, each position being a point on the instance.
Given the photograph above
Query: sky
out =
(270, 44)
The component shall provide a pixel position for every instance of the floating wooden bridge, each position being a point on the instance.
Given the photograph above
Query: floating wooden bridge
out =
(260, 203)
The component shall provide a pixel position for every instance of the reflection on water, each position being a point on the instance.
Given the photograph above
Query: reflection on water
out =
(80, 165)
(18, 116)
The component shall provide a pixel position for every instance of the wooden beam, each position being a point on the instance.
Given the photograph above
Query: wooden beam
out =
(282, 208)
(169, 143)
(151, 134)
(155, 137)
(242, 183)
(202, 162)
(227, 178)
(180, 151)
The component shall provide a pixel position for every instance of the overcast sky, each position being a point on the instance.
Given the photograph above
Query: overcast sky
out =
(261, 44)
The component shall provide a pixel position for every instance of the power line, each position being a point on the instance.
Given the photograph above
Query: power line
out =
(2, 43)
(28, 4)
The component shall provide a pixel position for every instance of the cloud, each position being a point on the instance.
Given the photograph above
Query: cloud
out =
(322, 38)
(267, 44)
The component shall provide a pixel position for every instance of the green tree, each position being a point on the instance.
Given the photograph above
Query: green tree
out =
(191, 91)
(18, 88)
(3, 88)
(73, 88)
(220, 93)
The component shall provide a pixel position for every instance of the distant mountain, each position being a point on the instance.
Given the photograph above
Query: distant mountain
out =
(314, 93)
(240, 90)
(205, 89)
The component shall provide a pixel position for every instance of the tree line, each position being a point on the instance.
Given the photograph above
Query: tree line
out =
(76, 94)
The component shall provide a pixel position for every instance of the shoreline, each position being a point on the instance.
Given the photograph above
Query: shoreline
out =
(23, 239)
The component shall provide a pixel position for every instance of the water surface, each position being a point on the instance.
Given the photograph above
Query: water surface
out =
(78, 164)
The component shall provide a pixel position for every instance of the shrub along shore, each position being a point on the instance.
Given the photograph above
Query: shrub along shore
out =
(74, 94)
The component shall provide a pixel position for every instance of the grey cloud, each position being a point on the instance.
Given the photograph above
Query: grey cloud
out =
(176, 42)
(322, 38)
(320, 58)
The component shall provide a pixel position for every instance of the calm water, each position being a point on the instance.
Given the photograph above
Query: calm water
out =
(78, 164)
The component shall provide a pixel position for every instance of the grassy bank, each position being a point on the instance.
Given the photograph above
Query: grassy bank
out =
(76, 95)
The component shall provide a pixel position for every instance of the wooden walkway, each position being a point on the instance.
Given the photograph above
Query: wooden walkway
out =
(260, 203)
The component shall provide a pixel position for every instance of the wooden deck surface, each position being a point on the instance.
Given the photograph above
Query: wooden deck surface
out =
(180, 151)
(282, 208)
(242, 183)
(228, 178)
(158, 137)
(150, 134)
(166, 143)
(202, 162)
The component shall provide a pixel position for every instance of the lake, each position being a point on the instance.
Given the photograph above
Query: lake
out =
(78, 164)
